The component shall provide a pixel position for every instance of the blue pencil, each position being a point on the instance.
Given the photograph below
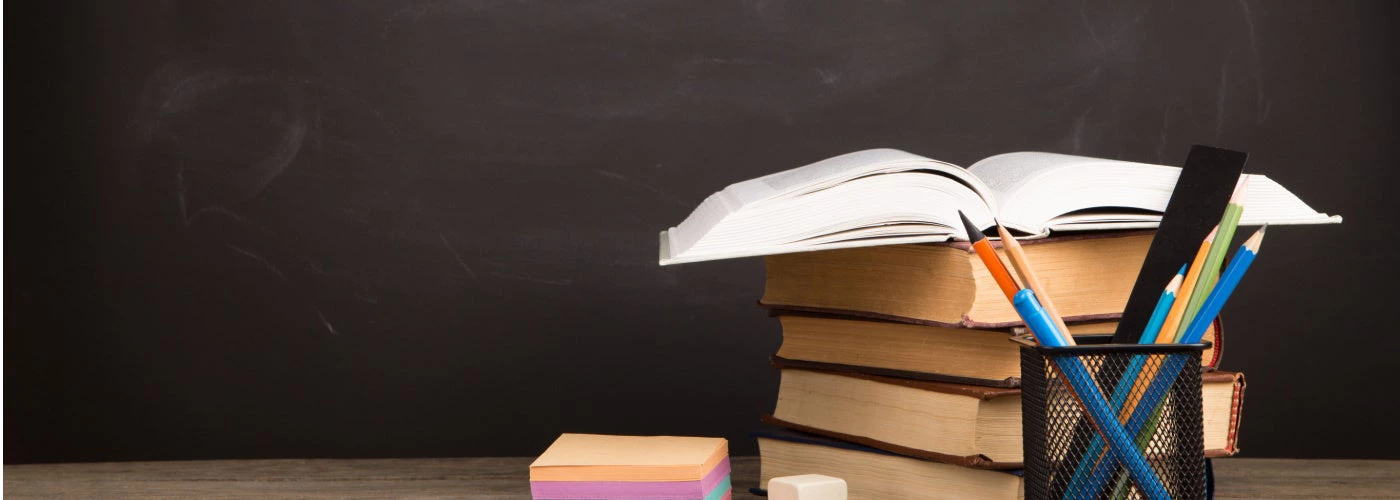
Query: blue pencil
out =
(1091, 459)
(1152, 397)
(1223, 288)
(1081, 383)
(1164, 305)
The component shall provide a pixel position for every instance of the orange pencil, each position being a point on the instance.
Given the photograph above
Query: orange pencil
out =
(1167, 334)
(991, 259)
(1023, 269)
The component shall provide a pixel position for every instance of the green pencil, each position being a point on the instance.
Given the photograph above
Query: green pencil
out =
(1210, 270)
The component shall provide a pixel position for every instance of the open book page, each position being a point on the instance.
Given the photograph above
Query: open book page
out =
(839, 169)
(885, 197)
(1268, 202)
(1033, 188)
(842, 201)
(1039, 192)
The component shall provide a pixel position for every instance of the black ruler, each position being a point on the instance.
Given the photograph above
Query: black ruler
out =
(1198, 200)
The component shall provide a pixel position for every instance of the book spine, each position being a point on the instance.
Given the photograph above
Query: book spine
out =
(1236, 411)
(1218, 340)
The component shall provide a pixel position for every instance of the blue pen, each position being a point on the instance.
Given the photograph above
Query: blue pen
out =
(1081, 383)
(1214, 302)
(1037, 320)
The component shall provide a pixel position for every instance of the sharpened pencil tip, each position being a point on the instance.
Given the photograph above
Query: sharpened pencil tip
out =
(974, 235)
(1005, 234)
(1211, 236)
(1175, 285)
(1254, 241)
(1237, 198)
(1182, 272)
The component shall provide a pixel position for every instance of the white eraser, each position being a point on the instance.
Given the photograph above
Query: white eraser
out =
(807, 487)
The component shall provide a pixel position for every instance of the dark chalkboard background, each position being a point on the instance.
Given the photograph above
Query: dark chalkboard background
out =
(374, 229)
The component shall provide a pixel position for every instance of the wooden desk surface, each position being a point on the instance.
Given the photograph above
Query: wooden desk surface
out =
(506, 478)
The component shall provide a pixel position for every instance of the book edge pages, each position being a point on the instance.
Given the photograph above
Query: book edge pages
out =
(978, 392)
(964, 322)
(970, 461)
(664, 248)
(668, 259)
(802, 364)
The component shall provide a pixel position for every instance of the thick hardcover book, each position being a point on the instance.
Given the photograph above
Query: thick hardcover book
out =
(905, 350)
(945, 284)
(965, 425)
(872, 473)
(878, 474)
(1221, 422)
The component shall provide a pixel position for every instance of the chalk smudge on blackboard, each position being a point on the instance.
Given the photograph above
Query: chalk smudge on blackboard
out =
(229, 131)
(1261, 104)
(280, 275)
(1077, 134)
(1162, 142)
(457, 256)
(653, 189)
(533, 279)
(329, 328)
(188, 218)
(1220, 94)
(249, 254)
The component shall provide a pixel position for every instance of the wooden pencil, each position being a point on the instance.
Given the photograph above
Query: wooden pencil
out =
(1169, 296)
(1022, 265)
(1167, 333)
(1164, 304)
(1124, 398)
(1224, 234)
(990, 259)
(1228, 281)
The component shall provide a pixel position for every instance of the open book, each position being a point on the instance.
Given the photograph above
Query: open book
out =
(887, 196)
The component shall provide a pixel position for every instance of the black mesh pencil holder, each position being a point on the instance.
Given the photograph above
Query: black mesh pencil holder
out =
(1155, 392)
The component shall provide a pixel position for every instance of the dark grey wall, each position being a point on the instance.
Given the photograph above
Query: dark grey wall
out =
(295, 229)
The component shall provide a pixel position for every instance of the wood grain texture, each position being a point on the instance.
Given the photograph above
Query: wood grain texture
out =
(1285, 478)
(507, 478)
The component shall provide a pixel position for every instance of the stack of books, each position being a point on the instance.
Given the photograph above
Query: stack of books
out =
(897, 369)
(898, 372)
(590, 466)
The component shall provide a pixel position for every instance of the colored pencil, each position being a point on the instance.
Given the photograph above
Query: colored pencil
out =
(1164, 305)
(1126, 383)
(1142, 417)
(1221, 293)
(1022, 265)
(1086, 392)
(990, 258)
(1223, 236)
(1167, 331)
(1089, 462)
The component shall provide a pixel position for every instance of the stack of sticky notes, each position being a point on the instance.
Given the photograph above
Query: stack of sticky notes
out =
(592, 466)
